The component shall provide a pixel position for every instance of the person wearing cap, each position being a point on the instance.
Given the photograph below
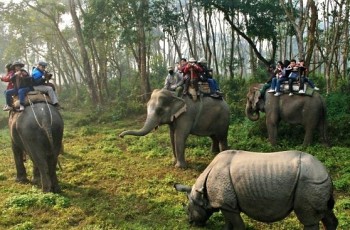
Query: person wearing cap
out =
(208, 77)
(304, 78)
(173, 81)
(40, 76)
(191, 73)
(22, 85)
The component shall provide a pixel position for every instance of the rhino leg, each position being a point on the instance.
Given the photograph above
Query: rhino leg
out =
(233, 221)
(312, 227)
(330, 222)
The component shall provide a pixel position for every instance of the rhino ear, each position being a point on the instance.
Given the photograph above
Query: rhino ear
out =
(201, 190)
(182, 188)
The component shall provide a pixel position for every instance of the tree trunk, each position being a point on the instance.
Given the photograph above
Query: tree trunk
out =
(84, 55)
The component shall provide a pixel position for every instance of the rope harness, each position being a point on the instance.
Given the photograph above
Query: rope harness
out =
(36, 118)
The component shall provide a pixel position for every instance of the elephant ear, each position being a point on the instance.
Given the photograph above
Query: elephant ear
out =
(257, 95)
(178, 107)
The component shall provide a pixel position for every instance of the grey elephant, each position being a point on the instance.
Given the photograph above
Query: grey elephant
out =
(38, 132)
(264, 186)
(309, 111)
(204, 117)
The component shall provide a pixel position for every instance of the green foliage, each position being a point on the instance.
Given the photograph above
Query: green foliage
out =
(343, 211)
(37, 200)
(338, 116)
(2, 177)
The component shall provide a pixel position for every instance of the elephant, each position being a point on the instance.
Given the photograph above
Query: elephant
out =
(265, 186)
(309, 111)
(204, 117)
(38, 132)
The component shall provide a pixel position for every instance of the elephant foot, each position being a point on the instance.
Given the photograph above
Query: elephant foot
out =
(182, 165)
(22, 180)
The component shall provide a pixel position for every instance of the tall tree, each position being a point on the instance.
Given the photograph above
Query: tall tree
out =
(300, 16)
(261, 20)
(84, 55)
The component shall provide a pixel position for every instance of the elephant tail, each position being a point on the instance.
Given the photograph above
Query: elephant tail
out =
(49, 136)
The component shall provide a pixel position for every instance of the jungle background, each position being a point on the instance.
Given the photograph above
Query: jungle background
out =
(108, 56)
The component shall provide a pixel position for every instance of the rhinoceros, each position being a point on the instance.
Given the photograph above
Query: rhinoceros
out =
(264, 186)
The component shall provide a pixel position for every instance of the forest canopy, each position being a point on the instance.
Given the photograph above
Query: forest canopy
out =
(94, 47)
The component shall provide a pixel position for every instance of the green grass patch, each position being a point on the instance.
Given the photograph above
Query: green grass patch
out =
(127, 183)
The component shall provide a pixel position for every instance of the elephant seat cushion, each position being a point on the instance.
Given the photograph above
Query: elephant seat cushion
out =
(32, 97)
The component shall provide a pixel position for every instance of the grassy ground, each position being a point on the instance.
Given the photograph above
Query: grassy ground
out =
(114, 183)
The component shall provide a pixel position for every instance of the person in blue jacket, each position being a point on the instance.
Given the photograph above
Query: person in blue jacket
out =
(39, 77)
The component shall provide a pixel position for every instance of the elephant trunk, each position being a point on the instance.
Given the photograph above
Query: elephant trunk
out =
(149, 125)
(252, 115)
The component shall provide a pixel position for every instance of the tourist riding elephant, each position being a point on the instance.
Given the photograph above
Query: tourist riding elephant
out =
(309, 111)
(204, 117)
(38, 132)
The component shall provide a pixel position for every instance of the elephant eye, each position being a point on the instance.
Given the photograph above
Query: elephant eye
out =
(159, 111)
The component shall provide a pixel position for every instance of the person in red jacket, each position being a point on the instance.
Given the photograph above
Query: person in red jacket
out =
(191, 73)
(7, 78)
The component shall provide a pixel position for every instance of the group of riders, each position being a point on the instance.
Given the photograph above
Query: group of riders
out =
(189, 74)
(192, 72)
(291, 72)
(20, 82)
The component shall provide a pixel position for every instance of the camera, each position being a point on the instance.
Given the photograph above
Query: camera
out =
(48, 75)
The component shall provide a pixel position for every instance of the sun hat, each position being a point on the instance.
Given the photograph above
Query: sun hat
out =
(202, 60)
(18, 63)
(191, 60)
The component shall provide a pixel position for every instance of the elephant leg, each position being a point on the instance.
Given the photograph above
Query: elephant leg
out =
(233, 221)
(223, 143)
(36, 176)
(180, 136)
(21, 176)
(41, 161)
(172, 139)
(46, 184)
(272, 131)
(215, 144)
(52, 162)
(308, 136)
(323, 131)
